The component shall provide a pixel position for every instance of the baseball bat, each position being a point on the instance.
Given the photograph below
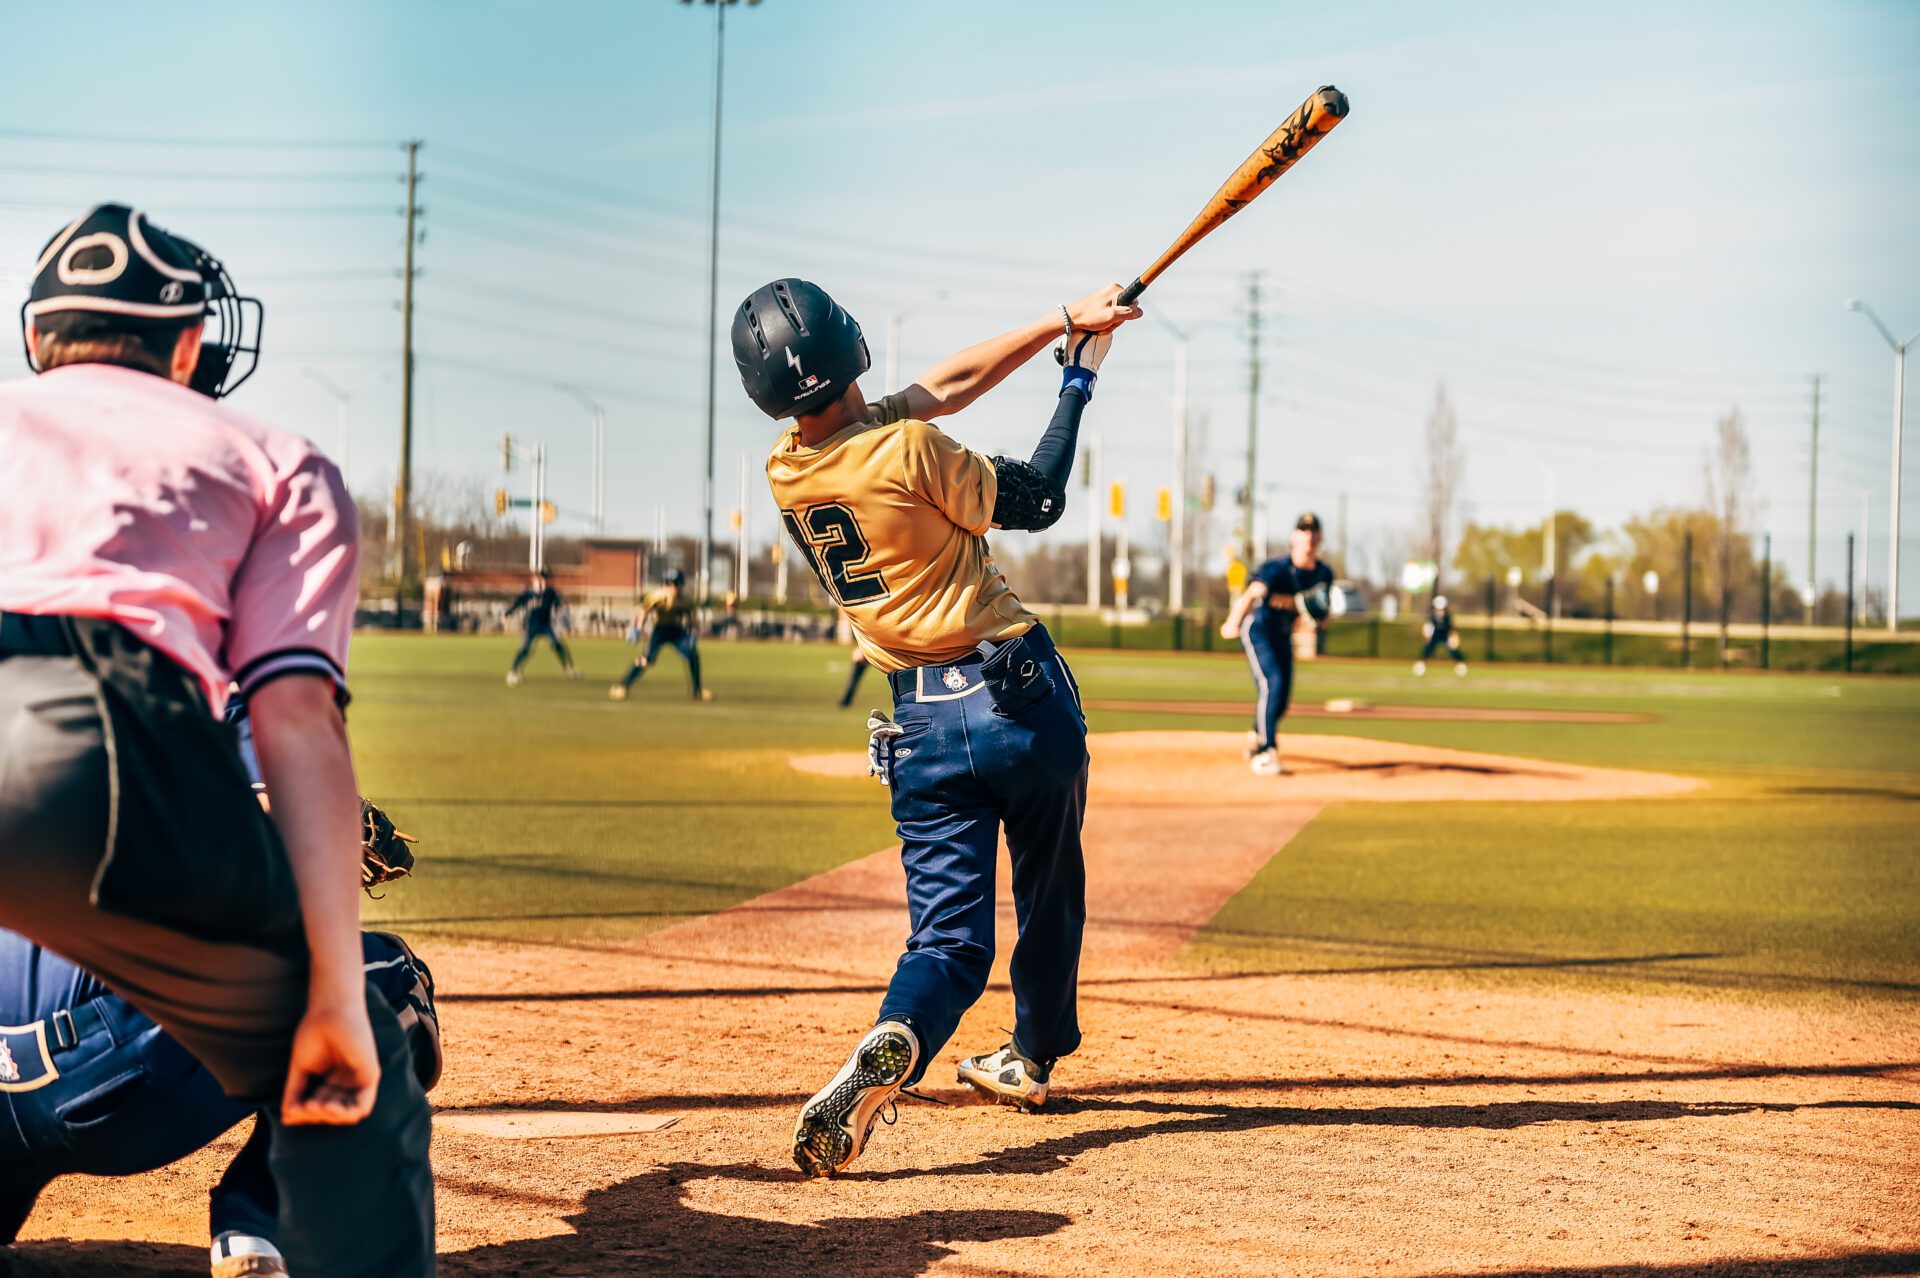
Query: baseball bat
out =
(1326, 107)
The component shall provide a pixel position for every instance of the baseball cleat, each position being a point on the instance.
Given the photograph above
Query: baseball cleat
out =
(1419, 668)
(1008, 1077)
(834, 1125)
(1266, 763)
(1460, 668)
(237, 1255)
(513, 678)
(573, 672)
(618, 692)
(705, 694)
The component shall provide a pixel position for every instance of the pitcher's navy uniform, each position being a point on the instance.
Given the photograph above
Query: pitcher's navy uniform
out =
(89, 1086)
(543, 605)
(1440, 633)
(1267, 638)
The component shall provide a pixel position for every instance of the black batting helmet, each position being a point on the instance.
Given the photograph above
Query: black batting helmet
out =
(675, 577)
(112, 271)
(797, 351)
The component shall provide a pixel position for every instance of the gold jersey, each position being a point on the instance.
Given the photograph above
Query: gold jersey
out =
(668, 606)
(892, 516)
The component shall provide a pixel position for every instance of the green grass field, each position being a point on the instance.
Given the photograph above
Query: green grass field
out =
(548, 812)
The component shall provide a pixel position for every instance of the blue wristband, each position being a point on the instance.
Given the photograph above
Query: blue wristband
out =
(1078, 379)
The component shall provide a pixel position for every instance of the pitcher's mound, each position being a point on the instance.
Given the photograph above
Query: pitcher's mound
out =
(1208, 769)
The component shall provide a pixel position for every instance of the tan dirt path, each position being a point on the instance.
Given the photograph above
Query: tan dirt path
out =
(1310, 1124)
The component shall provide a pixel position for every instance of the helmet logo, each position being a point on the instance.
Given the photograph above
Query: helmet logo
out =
(172, 291)
(793, 362)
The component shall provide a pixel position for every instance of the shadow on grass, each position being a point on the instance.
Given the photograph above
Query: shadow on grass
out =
(1847, 792)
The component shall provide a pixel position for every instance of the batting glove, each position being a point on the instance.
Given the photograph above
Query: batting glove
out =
(1080, 355)
(880, 734)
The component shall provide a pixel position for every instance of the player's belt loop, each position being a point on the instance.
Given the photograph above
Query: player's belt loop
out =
(65, 1034)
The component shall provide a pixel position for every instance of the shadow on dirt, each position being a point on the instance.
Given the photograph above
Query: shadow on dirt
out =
(1214, 1119)
(639, 1226)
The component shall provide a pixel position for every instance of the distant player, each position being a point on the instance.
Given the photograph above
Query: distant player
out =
(892, 515)
(856, 671)
(1263, 619)
(668, 618)
(1438, 631)
(543, 607)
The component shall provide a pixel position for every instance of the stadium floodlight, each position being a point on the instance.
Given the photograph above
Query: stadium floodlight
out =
(1899, 396)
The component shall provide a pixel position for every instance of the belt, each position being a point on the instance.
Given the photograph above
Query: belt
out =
(25, 634)
(909, 682)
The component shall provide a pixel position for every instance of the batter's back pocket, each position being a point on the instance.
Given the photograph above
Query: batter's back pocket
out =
(1016, 679)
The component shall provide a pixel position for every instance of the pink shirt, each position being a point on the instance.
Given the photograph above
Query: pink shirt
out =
(228, 545)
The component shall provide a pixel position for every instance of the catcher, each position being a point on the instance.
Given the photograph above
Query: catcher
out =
(93, 1087)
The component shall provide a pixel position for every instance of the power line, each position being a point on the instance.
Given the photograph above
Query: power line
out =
(569, 338)
(571, 305)
(176, 173)
(251, 210)
(223, 143)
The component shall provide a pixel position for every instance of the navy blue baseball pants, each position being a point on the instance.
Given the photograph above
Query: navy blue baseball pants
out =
(683, 641)
(533, 635)
(1268, 640)
(961, 771)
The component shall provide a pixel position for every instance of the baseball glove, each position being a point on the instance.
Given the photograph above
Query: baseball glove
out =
(384, 854)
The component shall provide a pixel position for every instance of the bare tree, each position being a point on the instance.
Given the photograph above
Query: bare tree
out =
(1732, 503)
(1440, 474)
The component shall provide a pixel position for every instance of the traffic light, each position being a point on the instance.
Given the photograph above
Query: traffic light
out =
(500, 501)
(1165, 510)
(506, 452)
(1206, 493)
(733, 521)
(1117, 501)
(548, 512)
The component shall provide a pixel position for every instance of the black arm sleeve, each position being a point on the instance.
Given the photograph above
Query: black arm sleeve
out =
(1033, 494)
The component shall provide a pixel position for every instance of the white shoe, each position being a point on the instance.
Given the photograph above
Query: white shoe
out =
(245, 1256)
(1007, 1076)
(833, 1127)
(1266, 763)
(573, 672)
(513, 678)
(1460, 669)
(1419, 669)
(618, 692)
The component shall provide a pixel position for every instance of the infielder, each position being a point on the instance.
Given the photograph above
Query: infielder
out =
(892, 515)
(1263, 618)
(668, 618)
(1438, 630)
(544, 606)
(155, 547)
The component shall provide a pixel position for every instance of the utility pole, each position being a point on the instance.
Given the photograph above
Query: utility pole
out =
(1866, 550)
(598, 418)
(1893, 505)
(1253, 417)
(399, 567)
(1177, 521)
(740, 549)
(702, 582)
(1813, 500)
(1092, 471)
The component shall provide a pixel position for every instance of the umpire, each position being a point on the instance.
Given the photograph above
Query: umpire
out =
(154, 547)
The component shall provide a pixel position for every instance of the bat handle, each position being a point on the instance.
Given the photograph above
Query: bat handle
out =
(1131, 293)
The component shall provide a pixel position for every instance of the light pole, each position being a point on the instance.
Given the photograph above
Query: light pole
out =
(1893, 514)
(893, 340)
(592, 405)
(702, 581)
(1177, 524)
(1551, 547)
(342, 399)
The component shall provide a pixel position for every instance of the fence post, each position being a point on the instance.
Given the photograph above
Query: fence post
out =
(1179, 633)
(1607, 647)
(1546, 629)
(1491, 606)
(1726, 614)
(1849, 658)
(1373, 637)
(1766, 596)
(1114, 635)
(1686, 600)
(1210, 630)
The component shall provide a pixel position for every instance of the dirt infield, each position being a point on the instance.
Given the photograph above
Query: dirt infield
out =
(1311, 1124)
(1368, 710)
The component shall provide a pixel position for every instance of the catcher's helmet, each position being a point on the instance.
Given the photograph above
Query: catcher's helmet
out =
(112, 271)
(797, 351)
(675, 577)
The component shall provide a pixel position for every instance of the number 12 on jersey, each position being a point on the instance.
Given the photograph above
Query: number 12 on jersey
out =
(834, 546)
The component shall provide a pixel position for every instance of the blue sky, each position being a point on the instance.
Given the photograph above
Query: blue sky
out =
(1601, 226)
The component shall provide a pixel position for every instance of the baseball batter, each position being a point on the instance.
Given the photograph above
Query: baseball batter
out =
(892, 515)
(156, 547)
(1439, 632)
(668, 618)
(1263, 618)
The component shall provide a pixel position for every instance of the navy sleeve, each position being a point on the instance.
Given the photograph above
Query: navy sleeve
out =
(1273, 575)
